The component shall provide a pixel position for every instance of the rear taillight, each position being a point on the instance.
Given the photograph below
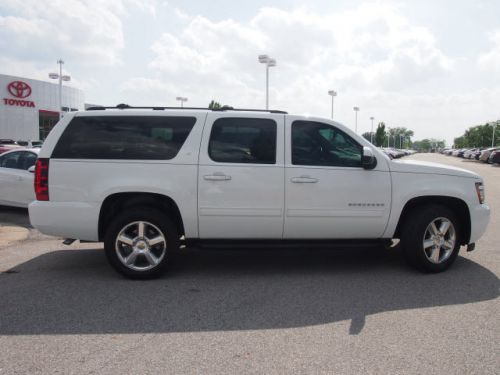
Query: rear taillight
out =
(42, 180)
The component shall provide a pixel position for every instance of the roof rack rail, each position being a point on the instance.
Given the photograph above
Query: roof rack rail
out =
(221, 109)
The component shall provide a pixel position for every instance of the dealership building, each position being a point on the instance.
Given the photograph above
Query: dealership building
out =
(29, 108)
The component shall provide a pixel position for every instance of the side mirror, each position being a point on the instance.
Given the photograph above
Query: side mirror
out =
(31, 169)
(369, 161)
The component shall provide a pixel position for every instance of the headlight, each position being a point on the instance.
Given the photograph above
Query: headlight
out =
(480, 192)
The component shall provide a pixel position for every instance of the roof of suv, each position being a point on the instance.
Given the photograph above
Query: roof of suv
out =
(221, 109)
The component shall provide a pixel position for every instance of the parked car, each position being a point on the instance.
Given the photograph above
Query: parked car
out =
(142, 180)
(494, 157)
(446, 151)
(7, 145)
(476, 154)
(17, 169)
(468, 153)
(30, 143)
(485, 155)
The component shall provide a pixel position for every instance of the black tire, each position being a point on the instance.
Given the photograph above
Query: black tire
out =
(412, 238)
(159, 224)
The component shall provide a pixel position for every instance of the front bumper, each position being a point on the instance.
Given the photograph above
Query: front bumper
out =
(479, 219)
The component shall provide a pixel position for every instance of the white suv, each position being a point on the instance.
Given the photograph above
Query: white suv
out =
(142, 180)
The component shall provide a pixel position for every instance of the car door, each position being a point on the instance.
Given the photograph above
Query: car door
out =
(240, 179)
(16, 183)
(328, 194)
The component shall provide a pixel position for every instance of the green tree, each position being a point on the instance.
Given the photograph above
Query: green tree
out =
(380, 135)
(214, 105)
(427, 145)
(460, 142)
(400, 136)
(479, 136)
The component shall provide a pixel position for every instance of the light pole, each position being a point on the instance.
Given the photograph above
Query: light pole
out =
(356, 109)
(61, 78)
(181, 99)
(493, 134)
(333, 94)
(371, 132)
(270, 62)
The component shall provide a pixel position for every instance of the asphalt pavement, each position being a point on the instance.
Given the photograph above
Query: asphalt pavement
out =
(64, 310)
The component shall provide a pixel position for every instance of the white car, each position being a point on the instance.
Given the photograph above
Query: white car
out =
(140, 180)
(17, 169)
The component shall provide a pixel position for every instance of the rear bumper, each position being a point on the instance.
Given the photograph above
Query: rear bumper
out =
(479, 218)
(65, 219)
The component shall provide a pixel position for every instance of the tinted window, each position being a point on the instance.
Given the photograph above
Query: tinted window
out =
(314, 143)
(243, 140)
(11, 160)
(28, 159)
(124, 137)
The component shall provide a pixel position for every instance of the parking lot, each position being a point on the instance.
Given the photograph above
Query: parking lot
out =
(64, 310)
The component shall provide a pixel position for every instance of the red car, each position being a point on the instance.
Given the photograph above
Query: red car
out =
(7, 145)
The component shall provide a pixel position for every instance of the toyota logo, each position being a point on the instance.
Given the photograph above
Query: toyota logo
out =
(19, 89)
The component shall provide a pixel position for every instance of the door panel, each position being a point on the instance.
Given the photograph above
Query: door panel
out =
(16, 184)
(241, 199)
(330, 202)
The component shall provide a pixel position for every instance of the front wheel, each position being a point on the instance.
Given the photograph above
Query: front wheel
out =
(138, 243)
(430, 238)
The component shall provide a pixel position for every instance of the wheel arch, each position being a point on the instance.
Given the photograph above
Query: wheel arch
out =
(457, 205)
(117, 202)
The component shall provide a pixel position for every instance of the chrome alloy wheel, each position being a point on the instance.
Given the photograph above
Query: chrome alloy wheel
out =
(439, 240)
(140, 245)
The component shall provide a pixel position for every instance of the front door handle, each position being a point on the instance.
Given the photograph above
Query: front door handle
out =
(217, 176)
(304, 180)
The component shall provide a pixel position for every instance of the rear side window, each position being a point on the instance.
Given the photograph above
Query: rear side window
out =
(243, 140)
(124, 137)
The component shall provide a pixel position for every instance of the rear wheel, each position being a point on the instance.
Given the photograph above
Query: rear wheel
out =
(139, 241)
(430, 238)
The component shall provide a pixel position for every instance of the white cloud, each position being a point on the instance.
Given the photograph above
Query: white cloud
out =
(490, 61)
(372, 45)
(375, 55)
(88, 30)
(369, 51)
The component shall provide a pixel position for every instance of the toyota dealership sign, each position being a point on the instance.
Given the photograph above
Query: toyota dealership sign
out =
(20, 91)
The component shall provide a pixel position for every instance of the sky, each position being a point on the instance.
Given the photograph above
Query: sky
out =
(430, 66)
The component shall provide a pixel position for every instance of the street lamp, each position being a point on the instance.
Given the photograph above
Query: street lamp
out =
(493, 134)
(371, 132)
(182, 100)
(270, 62)
(356, 109)
(61, 78)
(332, 94)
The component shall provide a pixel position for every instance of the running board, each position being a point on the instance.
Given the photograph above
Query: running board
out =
(284, 244)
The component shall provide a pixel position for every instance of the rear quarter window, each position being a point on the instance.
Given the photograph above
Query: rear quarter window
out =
(124, 137)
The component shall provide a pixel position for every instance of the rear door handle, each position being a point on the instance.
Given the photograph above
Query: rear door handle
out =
(217, 177)
(304, 180)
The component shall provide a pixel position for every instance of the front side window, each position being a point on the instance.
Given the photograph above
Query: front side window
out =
(243, 140)
(11, 160)
(315, 143)
(124, 137)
